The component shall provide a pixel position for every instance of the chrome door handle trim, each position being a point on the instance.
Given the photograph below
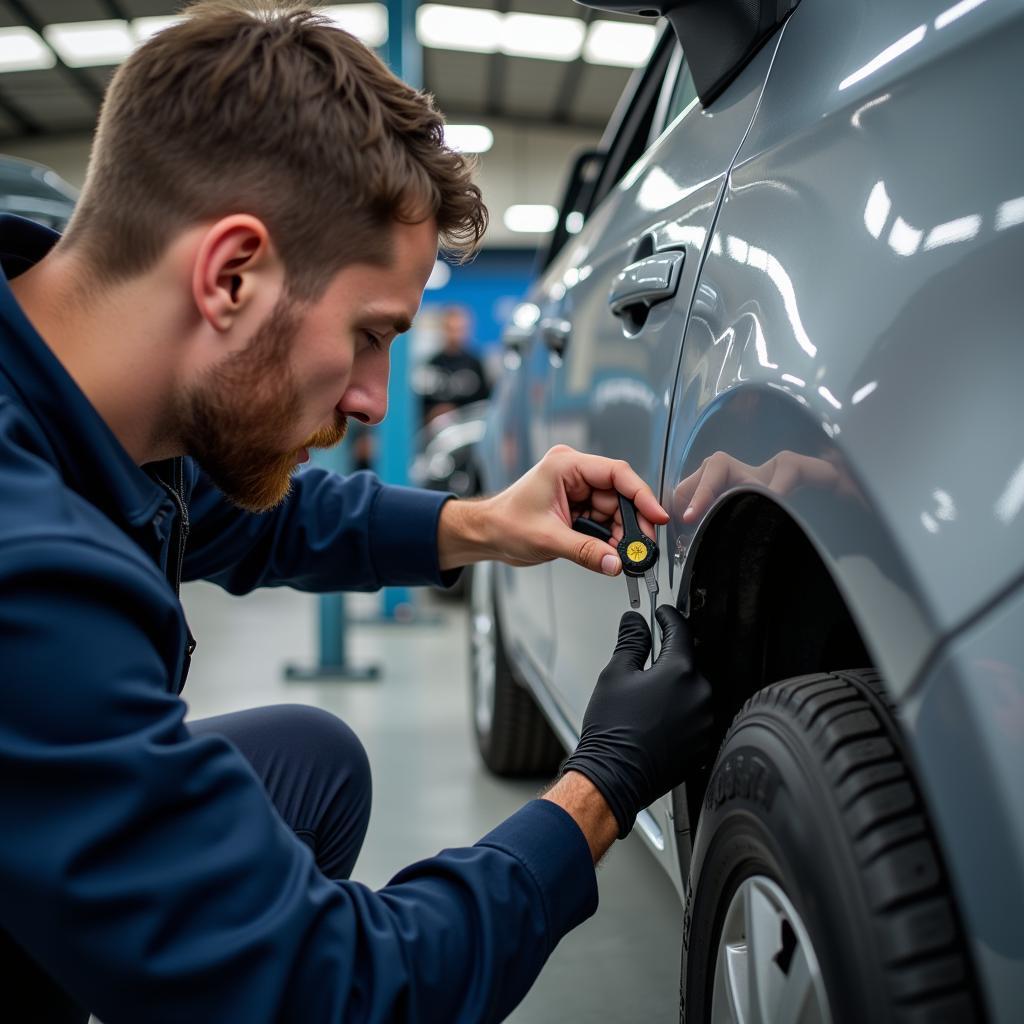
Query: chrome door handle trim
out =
(646, 282)
(555, 333)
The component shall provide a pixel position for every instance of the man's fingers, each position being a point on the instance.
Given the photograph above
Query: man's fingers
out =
(596, 473)
(634, 643)
(675, 635)
(589, 552)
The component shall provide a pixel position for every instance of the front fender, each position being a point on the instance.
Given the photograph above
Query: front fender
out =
(752, 425)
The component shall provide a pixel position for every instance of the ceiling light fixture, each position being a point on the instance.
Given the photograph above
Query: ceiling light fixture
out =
(82, 44)
(143, 29)
(468, 138)
(368, 22)
(459, 28)
(619, 43)
(22, 50)
(531, 218)
(542, 35)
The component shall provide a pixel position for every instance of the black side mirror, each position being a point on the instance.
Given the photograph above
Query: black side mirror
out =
(575, 206)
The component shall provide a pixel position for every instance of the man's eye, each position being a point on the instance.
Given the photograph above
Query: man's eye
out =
(375, 343)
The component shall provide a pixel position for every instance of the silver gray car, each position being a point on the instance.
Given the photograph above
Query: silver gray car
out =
(788, 290)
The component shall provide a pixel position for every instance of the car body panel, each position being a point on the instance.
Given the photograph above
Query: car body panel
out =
(966, 721)
(857, 310)
(838, 195)
(613, 386)
(31, 190)
(508, 451)
(613, 393)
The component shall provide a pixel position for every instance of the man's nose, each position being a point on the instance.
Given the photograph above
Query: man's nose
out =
(366, 398)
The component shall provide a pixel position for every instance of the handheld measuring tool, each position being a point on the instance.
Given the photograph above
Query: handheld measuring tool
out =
(639, 553)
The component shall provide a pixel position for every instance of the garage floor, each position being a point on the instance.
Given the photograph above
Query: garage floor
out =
(429, 788)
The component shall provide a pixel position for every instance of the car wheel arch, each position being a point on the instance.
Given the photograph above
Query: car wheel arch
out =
(750, 560)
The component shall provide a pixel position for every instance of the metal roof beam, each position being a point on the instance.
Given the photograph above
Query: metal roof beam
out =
(496, 74)
(456, 116)
(116, 10)
(28, 125)
(562, 109)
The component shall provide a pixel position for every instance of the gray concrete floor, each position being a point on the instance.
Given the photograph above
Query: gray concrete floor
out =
(430, 790)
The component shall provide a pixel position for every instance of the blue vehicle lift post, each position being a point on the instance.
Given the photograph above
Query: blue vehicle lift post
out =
(394, 451)
(405, 57)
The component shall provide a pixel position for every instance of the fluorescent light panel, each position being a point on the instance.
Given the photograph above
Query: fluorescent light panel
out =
(368, 22)
(458, 28)
(143, 29)
(22, 50)
(619, 43)
(82, 44)
(542, 35)
(468, 138)
(532, 218)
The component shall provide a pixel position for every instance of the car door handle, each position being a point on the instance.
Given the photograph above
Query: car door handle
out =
(646, 282)
(555, 334)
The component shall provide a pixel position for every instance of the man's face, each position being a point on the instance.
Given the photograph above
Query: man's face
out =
(254, 416)
(455, 327)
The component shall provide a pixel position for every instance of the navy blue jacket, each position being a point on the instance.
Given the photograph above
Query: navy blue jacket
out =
(144, 870)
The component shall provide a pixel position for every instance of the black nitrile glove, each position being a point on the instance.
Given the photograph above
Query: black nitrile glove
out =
(643, 729)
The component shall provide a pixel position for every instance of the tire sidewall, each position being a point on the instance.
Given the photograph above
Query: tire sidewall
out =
(482, 598)
(768, 810)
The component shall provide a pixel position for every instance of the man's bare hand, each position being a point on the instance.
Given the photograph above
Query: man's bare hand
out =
(531, 521)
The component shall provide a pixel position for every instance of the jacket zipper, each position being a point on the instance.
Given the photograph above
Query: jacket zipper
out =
(175, 489)
(183, 528)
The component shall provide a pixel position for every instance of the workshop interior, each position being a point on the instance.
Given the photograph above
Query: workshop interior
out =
(765, 254)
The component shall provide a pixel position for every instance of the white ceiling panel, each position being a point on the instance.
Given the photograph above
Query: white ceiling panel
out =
(46, 98)
(458, 80)
(597, 93)
(532, 86)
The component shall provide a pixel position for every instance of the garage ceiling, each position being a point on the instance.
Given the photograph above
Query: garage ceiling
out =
(62, 99)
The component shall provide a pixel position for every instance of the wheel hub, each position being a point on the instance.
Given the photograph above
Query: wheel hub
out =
(766, 970)
(482, 639)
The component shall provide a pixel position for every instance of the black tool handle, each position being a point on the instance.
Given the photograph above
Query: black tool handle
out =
(637, 551)
(581, 524)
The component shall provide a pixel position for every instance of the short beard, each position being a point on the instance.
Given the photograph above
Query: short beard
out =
(233, 421)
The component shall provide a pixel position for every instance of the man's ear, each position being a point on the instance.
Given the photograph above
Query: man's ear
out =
(234, 265)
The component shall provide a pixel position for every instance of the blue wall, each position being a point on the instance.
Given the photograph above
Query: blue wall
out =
(489, 288)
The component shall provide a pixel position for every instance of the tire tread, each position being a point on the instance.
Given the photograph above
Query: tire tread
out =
(521, 742)
(851, 722)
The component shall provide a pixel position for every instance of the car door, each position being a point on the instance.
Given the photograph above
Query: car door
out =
(518, 439)
(628, 281)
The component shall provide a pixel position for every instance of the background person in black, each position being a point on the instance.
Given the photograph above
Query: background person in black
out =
(454, 376)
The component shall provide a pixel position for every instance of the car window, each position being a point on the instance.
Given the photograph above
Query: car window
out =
(634, 132)
(684, 92)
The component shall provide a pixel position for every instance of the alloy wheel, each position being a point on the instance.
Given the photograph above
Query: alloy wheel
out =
(482, 639)
(766, 971)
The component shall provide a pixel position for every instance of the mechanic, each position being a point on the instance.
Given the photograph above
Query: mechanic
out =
(262, 210)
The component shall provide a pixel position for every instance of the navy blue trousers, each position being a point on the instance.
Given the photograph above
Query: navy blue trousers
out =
(314, 770)
(316, 775)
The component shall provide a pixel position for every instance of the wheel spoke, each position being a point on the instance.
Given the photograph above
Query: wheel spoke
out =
(797, 1003)
(762, 920)
(766, 971)
(483, 647)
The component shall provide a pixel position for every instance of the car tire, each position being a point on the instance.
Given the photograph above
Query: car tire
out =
(817, 890)
(512, 735)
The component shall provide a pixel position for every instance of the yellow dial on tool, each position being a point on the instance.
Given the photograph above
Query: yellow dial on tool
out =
(637, 551)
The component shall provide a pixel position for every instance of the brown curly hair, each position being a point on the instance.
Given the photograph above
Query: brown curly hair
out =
(263, 107)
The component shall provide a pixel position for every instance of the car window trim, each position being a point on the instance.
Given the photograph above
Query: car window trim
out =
(626, 124)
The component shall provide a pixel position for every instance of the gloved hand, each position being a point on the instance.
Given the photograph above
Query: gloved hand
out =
(643, 729)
